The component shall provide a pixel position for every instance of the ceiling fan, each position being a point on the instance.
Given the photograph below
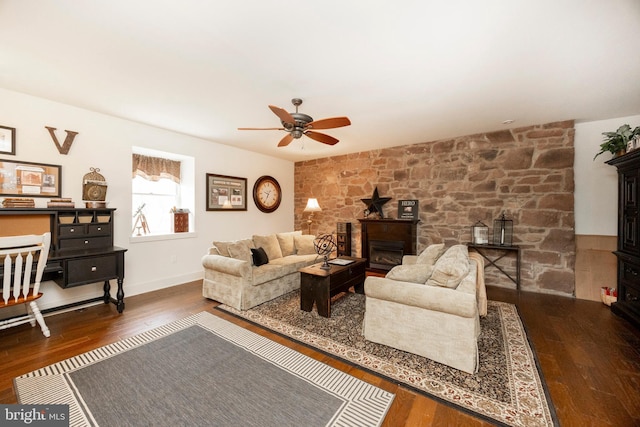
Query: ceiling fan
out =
(298, 124)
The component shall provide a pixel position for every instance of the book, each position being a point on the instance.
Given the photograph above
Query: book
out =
(61, 205)
(18, 202)
(340, 261)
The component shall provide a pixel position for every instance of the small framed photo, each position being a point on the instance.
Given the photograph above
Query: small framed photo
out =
(226, 193)
(7, 140)
(407, 209)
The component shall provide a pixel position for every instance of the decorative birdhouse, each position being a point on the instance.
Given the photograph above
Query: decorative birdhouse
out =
(94, 189)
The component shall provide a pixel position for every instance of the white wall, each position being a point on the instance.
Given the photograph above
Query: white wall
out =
(105, 142)
(596, 183)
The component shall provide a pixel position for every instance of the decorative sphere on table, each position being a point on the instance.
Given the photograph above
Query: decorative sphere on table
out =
(324, 245)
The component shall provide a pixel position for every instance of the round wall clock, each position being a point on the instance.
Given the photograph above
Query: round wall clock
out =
(267, 193)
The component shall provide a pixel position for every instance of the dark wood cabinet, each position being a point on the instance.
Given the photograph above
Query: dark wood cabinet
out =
(628, 251)
(82, 250)
(343, 237)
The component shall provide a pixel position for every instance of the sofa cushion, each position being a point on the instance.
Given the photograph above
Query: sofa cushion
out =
(277, 269)
(451, 267)
(304, 244)
(222, 247)
(240, 250)
(266, 273)
(415, 273)
(286, 242)
(269, 244)
(259, 257)
(431, 254)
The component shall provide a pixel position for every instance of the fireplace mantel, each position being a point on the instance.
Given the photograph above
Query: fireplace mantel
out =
(389, 230)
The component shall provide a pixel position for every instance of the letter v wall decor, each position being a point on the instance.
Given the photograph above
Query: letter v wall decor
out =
(66, 145)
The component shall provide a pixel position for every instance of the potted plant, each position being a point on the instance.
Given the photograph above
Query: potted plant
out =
(616, 142)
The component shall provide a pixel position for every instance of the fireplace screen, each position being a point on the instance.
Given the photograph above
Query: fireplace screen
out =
(385, 254)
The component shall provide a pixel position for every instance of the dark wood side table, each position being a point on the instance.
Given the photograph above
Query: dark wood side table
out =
(318, 285)
(482, 250)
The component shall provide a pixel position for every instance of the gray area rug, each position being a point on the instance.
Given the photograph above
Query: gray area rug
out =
(508, 388)
(203, 371)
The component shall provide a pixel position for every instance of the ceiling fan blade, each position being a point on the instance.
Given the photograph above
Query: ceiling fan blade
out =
(286, 140)
(282, 114)
(330, 123)
(321, 137)
(260, 128)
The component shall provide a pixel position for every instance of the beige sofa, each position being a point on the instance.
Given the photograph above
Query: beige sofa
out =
(430, 306)
(232, 278)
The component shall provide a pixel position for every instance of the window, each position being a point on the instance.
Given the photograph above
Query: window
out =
(161, 183)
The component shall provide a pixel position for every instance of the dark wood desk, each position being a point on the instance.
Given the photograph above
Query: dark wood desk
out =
(482, 250)
(82, 250)
(319, 285)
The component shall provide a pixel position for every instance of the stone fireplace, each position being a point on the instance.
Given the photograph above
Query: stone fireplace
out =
(386, 241)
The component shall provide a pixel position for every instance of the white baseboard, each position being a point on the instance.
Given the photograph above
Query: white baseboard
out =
(54, 296)
(143, 288)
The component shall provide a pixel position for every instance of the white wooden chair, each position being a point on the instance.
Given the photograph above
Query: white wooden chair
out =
(17, 255)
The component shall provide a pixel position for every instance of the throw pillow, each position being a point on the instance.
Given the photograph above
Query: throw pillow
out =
(259, 257)
(269, 244)
(222, 247)
(286, 242)
(304, 244)
(431, 254)
(415, 273)
(450, 268)
(239, 250)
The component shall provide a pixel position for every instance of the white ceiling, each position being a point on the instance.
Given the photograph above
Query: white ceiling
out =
(404, 72)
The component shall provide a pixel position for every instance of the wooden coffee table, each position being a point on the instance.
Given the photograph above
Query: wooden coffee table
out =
(318, 285)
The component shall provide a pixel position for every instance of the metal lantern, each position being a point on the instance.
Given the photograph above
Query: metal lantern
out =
(503, 231)
(479, 233)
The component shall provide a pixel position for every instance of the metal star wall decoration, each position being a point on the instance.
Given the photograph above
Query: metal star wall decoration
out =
(375, 203)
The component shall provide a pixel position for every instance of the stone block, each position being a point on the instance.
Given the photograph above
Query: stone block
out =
(518, 158)
(561, 202)
(559, 158)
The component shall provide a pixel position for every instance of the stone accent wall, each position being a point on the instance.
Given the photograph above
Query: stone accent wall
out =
(527, 173)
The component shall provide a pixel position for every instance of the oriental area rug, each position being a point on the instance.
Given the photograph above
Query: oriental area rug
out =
(203, 371)
(507, 390)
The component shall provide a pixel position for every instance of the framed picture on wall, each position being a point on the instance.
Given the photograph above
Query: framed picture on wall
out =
(7, 140)
(226, 193)
(30, 179)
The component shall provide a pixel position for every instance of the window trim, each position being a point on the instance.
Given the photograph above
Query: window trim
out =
(160, 237)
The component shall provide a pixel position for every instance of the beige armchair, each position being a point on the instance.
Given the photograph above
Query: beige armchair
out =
(437, 319)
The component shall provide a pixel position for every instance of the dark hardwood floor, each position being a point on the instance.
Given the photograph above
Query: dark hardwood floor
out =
(590, 358)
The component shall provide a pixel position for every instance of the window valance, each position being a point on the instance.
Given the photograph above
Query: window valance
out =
(154, 168)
